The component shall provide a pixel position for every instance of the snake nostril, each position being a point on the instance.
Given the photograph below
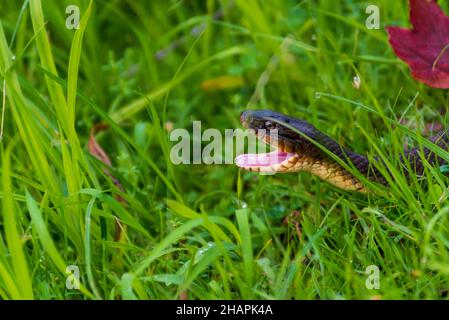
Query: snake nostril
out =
(242, 117)
(245, 117)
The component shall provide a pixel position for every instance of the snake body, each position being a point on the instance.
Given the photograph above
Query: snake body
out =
(302, 147)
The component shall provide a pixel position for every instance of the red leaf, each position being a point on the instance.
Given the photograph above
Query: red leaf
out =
(425, 48)
(96, 150)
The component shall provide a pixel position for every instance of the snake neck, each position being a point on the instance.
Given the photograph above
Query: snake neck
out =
(360, 162)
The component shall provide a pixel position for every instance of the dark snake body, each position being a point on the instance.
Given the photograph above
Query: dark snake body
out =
(304, 140)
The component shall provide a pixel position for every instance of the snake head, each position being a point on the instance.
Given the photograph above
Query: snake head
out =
(292, 139)
(293, 135)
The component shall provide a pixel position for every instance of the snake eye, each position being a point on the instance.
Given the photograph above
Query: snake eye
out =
(269, 125)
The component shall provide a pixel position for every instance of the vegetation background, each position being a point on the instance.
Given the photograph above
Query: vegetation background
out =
(209, 231)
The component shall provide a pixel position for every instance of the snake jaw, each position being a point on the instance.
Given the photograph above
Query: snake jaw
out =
(280, 160)
(271, 162)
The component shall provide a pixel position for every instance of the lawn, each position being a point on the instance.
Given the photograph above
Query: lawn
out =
(144, 227)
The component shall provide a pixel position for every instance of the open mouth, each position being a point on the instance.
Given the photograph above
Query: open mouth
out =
(275, 161)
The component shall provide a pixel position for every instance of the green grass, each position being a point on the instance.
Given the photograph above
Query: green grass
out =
(210, 231)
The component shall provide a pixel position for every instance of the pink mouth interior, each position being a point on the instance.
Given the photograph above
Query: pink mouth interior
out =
(262, 159)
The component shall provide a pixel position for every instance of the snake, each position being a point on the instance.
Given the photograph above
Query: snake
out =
(300, 146)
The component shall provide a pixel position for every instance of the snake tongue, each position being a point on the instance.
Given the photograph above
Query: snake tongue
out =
(262, 159)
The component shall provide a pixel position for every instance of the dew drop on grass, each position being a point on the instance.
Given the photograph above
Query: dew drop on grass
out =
(356, 82)
(13, 57)
(204, 249)
(317, 95)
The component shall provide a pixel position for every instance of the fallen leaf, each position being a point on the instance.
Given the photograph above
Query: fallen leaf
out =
(416, 273)
(425, 48)
(223, 83)
(97, 151)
